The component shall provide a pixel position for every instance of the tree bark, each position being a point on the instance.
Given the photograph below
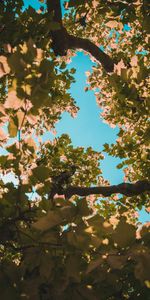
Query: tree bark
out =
(62, 41)
(54, 9)
(96, 52)
(127, 189)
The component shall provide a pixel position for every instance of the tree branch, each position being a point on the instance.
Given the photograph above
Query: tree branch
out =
(127, 189)
(96, 52)
(25, 247)
(59, 36)
(62, 41)
(21, 217)
(54, 8)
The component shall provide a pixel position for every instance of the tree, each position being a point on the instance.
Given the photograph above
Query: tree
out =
(65, 233)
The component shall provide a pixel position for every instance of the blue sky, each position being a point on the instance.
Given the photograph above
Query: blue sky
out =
(87, 129)
(36, 4)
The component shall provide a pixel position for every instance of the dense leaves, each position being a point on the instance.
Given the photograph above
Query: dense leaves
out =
(53, 243)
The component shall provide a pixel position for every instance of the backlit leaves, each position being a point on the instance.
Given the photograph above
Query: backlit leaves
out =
(81, 247)
(4, 67)
(41, 173)
(12, 128)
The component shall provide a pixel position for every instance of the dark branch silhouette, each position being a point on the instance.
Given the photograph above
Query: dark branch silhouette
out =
(95, 51)
(127, 189)
(63, 41)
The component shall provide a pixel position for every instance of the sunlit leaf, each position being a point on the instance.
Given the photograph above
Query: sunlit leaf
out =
(12, 128)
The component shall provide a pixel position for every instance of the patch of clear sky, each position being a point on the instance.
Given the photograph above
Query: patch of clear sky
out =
(87, 129)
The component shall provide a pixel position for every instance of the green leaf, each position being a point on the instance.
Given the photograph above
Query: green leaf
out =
(54, 26)
(80, 239)
(146, 24)
(51, 219)
(41, 173)
(32, 147)
(124, 234)
(72, 70)
(119, 166)
(63, 65)
(68, 212)
(17, 64)
(12, 149)
(76, 3)
(12, 128)
(83, 208)
(106, 147)
(3, 159)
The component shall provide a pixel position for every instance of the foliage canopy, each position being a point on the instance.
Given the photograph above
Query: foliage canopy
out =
(58, 240)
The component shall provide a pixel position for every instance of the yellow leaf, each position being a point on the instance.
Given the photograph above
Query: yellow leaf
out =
(31, 143)
(147, 283)
(20, 117)
(12, 101)
(3, 136)
(12, 128)
(4, 67)
(112, 24)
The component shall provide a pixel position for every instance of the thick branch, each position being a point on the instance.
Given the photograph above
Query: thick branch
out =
(25, 247)
(96, 52)
(127, 189)
(54, 9)
(62, 41)
(59, 36)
